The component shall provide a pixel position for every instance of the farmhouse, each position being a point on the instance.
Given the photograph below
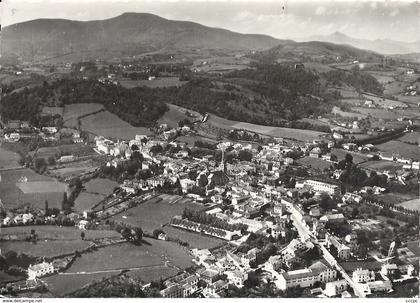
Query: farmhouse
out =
(319, 186)
(39, 270)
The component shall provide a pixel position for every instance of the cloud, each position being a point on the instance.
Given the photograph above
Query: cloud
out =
(320, 11)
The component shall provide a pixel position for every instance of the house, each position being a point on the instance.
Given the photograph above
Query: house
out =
(337, 136)
(388, 269)
(315, 211)
(68, 158)
(343, 251)
(363, 275)
(335, 288)
(173, 291)
(82, 224)
(236, 277)
(307, 277)
(352, 197)
(349, 146)
(212, 290)
(273, 263)
(332, 218)
(209, 276)
(315, 152)
(39, 270)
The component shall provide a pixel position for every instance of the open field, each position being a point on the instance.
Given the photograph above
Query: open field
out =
(45, 248)
(195, 240)
(288, 133)
(60, 285)
(8, 159)
(12, 196)
(190, 140)
(406, 150)
(73, 111)
(394, 88)
(381, 165)
(85, 201)
(379, 113)
(66, 149)
(4, 277)
(395, 198)
(52, 111)
(73, 169)
(337, 111)
(413, 138)
(176, 114)
(127, 255)
(111, 126)
(100, 186)
(411, 204)
(53, 232)
(154, 213)
(152, 274)
(158, 82)
(41, 187)
(314, 163)
(341, 154)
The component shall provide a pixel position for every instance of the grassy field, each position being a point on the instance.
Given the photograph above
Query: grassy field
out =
(52, 110)
(66, 149)
(195, 240)
(126, 255)
(395, 198)
(12, 196)
(8, 159)
(45, 248)
(341, 154)
(287, 133)
(406, 150)
(73, 111)
(337, 111)
(190, 140)
(176, 114)
(382, 165)
(100, 186)
(60, 285)
(413, 138)
(41, 187)
(52, 232)
(158, 82)
(153, 274)
(152, 214)
(411, 204)
(85, 201)
(109, 125)
(313, 163)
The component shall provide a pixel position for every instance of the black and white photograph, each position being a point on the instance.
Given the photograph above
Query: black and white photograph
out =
(209, 149)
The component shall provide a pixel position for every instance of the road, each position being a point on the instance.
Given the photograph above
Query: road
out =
(306, 234)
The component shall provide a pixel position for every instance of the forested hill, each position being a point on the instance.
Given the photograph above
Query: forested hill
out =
(139, 107)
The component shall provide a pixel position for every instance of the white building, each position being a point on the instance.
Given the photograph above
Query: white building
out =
(363, 275)
(39, 270)
(335, 288)
(319, 186)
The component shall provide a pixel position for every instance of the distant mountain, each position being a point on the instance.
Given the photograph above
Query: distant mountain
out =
(383, 46)
(126, 35)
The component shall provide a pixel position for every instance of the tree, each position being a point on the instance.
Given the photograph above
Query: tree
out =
(40, 165)
(245, 155)
(126, 233)
(138, 235)
(46, 206)
(64, 202)
(82, 235)
(51, 161)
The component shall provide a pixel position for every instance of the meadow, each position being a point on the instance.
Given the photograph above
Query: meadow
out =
(111, 126)
(411, 204)
(412, 138)
(66, 149)
(12, 196)
(176, 114)
(8, 159)
(126, 255)
(72, 112)
(408, 151)
(53, 232)
(95, 191)
(195, 240)
(153, 214)
(52, 111)
(382, 165)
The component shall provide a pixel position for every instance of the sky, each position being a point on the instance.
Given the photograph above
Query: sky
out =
(283, 19)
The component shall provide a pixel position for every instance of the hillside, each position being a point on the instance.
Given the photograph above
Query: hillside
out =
(125, 35)
(382, 46)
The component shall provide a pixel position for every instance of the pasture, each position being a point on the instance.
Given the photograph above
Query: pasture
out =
(73, 169)
(152, 274)
(153, 214)
(41, 187)
(111, 126)
(52, 111)
(72, 112)
(314, 163)
(100, 186)
(126, 255)
(62, 284)
(341, 154)
(12, 196)
(412, 138)
(176, 114)
(405, 150)
(381, 165)
(411, 204)
(85, 201)
(337, 111)
(8, 159)
(158, 82)
(195, 240)
(45, 248)
(78, 150)
(53, 232)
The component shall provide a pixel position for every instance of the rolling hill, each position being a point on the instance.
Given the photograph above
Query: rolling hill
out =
(383, 46)
(125, 35)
